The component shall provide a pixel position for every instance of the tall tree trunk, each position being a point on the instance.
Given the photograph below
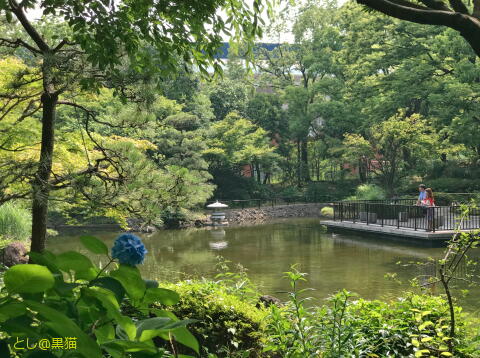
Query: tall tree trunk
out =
(40, 185)
(257, 169)
(299, 165)
(362, 170)
(304, 162)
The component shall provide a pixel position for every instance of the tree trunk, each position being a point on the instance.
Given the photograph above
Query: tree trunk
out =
(299, 165)
(362, 170)
(257, 169)
(40, 185)
(304, 160)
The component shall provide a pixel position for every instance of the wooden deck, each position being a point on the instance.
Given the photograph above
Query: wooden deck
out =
(438, 235)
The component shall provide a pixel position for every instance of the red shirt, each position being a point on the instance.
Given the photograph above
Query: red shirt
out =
(428, 202)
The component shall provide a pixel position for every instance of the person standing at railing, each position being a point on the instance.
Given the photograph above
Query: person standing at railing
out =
(429, 203)
(422, 194)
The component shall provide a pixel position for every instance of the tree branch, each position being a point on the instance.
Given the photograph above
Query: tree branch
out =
(408, 11)
(468, 26)
(61, 44)
(17, 43)
(17, 9)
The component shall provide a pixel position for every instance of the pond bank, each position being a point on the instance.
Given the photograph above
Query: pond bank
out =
(239, 216)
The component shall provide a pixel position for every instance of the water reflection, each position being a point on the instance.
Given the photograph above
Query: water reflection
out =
(333, 262)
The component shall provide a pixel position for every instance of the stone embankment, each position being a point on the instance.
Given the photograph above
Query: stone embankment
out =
(238, 216)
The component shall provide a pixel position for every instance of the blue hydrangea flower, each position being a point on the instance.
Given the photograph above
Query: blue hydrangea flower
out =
(129, 250)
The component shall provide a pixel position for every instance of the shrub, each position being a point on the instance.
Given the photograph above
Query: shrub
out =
(325, 191)
(369, 192)
(291, 194)
(15, 222)
(327, 212)
(226, 323)
(173, 219)
(413, 326)
(406, 326)
(449, 185)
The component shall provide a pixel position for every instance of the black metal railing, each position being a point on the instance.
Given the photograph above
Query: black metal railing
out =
(404, 213)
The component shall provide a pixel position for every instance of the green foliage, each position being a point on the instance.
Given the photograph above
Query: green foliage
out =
(454, 185)
(327, 212)
(228, 96)
(394, 147)
(369, 192)
(291, 194)
(15, 221)
(173, 219)
(325, 191)
(107, 310)
(412, 326)
(230, 185)
(226, 323)
(236, 141)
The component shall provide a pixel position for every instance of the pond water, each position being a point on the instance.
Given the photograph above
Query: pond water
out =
(332, 261)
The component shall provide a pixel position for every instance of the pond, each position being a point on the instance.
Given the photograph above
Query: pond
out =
(332, 261)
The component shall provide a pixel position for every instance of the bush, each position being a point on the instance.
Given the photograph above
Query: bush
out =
(15, 222)
(226, 323)
(448, 185)
(369, 192)
(405, 326)
(327, 212)
(291, 194)
(454, 185)
(173, 219)
(413, 326)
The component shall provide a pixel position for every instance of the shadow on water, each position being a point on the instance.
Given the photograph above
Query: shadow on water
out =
(333, 261)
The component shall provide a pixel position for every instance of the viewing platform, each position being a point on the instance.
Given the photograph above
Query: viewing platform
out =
(402, 217)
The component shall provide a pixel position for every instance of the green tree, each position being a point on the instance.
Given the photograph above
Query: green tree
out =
(235, 141)
(304, 71)
(228, 95)
(92, 42)
(395, 148)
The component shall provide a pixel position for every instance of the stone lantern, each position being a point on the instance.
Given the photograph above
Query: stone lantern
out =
(218, 216)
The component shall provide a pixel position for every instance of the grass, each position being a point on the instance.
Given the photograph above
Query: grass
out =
(15, 222)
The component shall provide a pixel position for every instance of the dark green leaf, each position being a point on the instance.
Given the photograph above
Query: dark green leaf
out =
(11, 310)
(4, 350)
(65, 327)
(41, 354)
(129, 346)
(44, 259)
(110, 284)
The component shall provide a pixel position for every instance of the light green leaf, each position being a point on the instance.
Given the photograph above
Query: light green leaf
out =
(161, 295)
(28, 278)
(94, 245)
(74, 261)
(131, 280)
